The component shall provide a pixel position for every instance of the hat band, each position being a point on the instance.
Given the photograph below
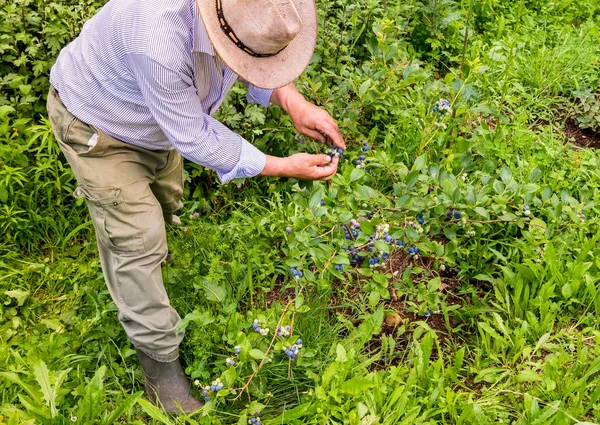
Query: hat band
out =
(231, 35)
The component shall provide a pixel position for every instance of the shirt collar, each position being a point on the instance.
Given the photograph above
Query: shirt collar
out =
(202, 43)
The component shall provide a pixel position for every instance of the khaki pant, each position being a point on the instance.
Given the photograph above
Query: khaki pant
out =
(129, 191)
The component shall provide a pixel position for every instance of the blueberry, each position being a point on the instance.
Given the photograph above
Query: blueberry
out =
(385, 255)
(421, 220)
(351, 248)
(288, 229)
(457, 215)
(371, 260)
(299, 341)
(300, 274)
(358, 162)
(365, 148)
(361, 157)
(388, 238)
(400, 243)
(322, 202)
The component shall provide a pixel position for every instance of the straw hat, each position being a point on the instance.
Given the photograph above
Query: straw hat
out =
(266, 42)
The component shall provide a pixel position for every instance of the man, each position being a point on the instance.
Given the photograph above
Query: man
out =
(132, 95)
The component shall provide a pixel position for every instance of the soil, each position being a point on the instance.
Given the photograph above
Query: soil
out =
(584, 138)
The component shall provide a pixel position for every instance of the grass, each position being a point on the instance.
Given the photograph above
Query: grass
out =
(496, 322)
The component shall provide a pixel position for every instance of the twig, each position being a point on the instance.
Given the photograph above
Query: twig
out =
(262, 362)
(325, 234)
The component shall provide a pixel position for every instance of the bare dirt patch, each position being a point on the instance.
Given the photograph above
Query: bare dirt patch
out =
(584, 138)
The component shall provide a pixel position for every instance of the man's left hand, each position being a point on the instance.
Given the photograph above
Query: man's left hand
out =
(308, 119)
(315, 122)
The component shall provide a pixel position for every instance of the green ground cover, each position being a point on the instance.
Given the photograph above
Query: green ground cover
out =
(493, 320)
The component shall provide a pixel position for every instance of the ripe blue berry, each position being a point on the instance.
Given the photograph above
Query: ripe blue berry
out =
(365, 148)
(388, 238)
(361, 157)
(322, 202)
(457, 215)
(288, 229)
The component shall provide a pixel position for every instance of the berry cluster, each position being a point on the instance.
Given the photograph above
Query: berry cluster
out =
(413, 250)
(442, 106)
(293, 351)
(526, 210)
(258, 329)
(352, 231)
(255, 420)
(296, 273)
(453, 214)
(215, 386)
(366, 147)
(283, 331)
(230, 361)
(360, 160)
(334, 151)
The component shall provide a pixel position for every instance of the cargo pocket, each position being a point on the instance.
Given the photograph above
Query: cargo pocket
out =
(115, 225)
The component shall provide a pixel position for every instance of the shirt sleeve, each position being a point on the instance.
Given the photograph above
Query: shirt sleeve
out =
(173, 102)
(258, 95)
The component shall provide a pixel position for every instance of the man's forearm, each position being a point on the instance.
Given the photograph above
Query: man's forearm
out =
(287, 97)
(274, 167)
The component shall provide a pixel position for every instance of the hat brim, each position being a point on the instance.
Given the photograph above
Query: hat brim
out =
(270, 72)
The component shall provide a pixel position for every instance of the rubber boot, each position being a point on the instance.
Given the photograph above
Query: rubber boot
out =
(167, 386)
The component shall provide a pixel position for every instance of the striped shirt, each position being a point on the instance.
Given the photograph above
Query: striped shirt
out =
(145, 72)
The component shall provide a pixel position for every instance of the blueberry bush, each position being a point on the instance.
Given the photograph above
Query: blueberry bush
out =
(448, 274)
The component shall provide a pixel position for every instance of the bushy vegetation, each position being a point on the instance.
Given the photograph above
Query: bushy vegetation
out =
(449, 276)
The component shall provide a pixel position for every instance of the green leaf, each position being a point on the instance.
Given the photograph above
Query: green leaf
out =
(197, 317)
(357, 385)
(19, 295)
(213, 291)
(420, 163)
(340, 353)
(341, 259)
(357, 174)
(482, 212)
(255, 353)
(505, 175)
(5, 110)
(154, 412)
(122, 407)
(362, 90)
(528, 376)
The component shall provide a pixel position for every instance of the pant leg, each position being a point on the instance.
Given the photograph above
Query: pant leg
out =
(168, 185)
(115, 179)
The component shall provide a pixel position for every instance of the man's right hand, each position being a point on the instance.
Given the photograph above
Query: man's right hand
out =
(302, 166)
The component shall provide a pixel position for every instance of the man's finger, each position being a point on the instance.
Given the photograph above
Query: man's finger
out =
(331, 130)
(328, 170)
(315, 135)
(321, 159)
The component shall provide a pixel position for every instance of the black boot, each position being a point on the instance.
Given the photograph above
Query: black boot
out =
(167, 385)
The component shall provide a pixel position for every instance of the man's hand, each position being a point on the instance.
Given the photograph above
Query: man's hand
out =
(308, 119)
(302, 166)
(315, 122)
